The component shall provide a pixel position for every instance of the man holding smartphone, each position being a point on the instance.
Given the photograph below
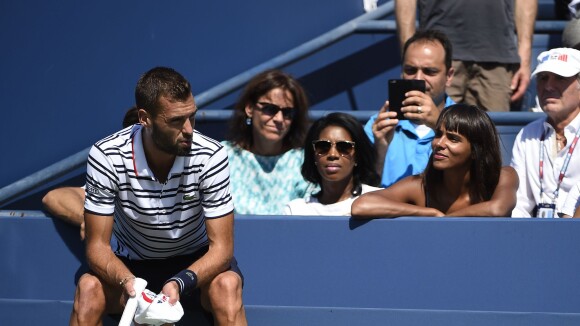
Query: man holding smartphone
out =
(403, 146)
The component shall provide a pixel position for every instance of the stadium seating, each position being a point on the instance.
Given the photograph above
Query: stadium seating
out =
(332, 270)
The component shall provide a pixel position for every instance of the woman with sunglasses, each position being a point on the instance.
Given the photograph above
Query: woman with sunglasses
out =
(464, 176)
(264, 143)
(339, 158)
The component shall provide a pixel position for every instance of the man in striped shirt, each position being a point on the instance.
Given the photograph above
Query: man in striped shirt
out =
(158, 207)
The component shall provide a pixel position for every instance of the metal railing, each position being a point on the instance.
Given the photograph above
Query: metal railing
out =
(366, 23)
(78, 160)
(300, 52)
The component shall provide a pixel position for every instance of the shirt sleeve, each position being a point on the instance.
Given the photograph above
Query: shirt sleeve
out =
(525, 199)
(215, 185)
(101, 184)
(369, 127)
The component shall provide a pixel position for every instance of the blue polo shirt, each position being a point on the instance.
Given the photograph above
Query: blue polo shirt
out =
(407, 154)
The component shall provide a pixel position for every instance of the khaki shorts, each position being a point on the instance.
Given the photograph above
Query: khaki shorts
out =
(486, 85)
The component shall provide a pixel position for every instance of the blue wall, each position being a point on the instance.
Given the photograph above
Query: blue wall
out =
(339, 271)
(68, 68)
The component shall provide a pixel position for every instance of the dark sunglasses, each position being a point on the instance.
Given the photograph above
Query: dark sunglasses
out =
(271, 110)
(322, 147)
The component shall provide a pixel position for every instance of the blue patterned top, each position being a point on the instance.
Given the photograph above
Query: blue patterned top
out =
(263, 185)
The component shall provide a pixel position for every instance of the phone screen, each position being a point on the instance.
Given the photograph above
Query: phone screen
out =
(397, 90)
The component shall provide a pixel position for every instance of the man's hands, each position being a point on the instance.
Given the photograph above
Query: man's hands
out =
(384, 126)
(383, 132)
(171, 289)
(128, 289)
(417, 106)
(520, 82)
(428, 112)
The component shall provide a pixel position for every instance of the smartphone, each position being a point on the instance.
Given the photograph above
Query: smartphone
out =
(397, 90)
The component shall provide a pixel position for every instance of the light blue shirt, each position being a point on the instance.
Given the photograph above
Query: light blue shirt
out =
(263, 185)
(407, 154)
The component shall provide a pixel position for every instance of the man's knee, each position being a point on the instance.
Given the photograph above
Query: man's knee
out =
(225, 296)
(89, 282)
(226, 284)
(89, 298)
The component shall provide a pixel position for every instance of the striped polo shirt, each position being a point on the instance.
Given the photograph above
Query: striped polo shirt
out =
(154, 220)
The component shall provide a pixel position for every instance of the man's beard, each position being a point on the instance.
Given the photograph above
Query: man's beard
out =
(167, 145)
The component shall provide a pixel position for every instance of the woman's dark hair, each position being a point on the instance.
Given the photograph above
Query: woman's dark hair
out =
(241, 134)
(475, 125)
(131, 117)
(364, 154)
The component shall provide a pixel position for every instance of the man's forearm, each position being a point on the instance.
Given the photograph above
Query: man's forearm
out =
(214, 262)
(380, 161)
(106, 265)
(100, 257)
(220, 233)
(405, 15)
(525, 12)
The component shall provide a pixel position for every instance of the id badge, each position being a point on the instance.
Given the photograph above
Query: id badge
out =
(546, 210)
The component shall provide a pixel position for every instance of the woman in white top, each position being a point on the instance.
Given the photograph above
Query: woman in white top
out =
(339, 158)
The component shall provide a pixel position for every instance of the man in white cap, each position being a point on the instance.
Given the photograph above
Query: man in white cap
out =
(544, 154)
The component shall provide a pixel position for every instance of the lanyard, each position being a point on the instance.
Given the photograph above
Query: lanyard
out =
(564, 166)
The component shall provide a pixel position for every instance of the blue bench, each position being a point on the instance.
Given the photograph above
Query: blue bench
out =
(338, 271)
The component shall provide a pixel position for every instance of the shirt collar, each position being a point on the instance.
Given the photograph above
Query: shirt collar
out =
(408, 127)
(140, 161)
(572, 127)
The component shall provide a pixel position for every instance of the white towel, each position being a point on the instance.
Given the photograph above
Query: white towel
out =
(155, 309)
(131, 305)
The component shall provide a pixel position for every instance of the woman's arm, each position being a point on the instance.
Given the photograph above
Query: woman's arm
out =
(404, 198)
(66, 203)
(577, 212)
(502, 201)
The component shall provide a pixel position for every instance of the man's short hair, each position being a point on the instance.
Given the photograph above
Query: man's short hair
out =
(160, 82)
(432, 35)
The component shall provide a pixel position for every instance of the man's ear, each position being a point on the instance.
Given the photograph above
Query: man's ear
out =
(144, 118)
(450, 74)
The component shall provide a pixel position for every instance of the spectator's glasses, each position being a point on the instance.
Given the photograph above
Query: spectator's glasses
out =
(271, 110)
(343, 147)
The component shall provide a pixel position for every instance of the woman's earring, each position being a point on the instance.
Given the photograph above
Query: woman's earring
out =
(249, 121)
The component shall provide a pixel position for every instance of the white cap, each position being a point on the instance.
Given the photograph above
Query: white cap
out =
(561, 61)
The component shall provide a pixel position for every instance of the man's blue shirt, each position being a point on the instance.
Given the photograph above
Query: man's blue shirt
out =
(407, 153)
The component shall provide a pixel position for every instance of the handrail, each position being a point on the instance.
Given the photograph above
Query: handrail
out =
(75, 161)
(43, 176)
(300, 52)
(382, 26)
(366, 23)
